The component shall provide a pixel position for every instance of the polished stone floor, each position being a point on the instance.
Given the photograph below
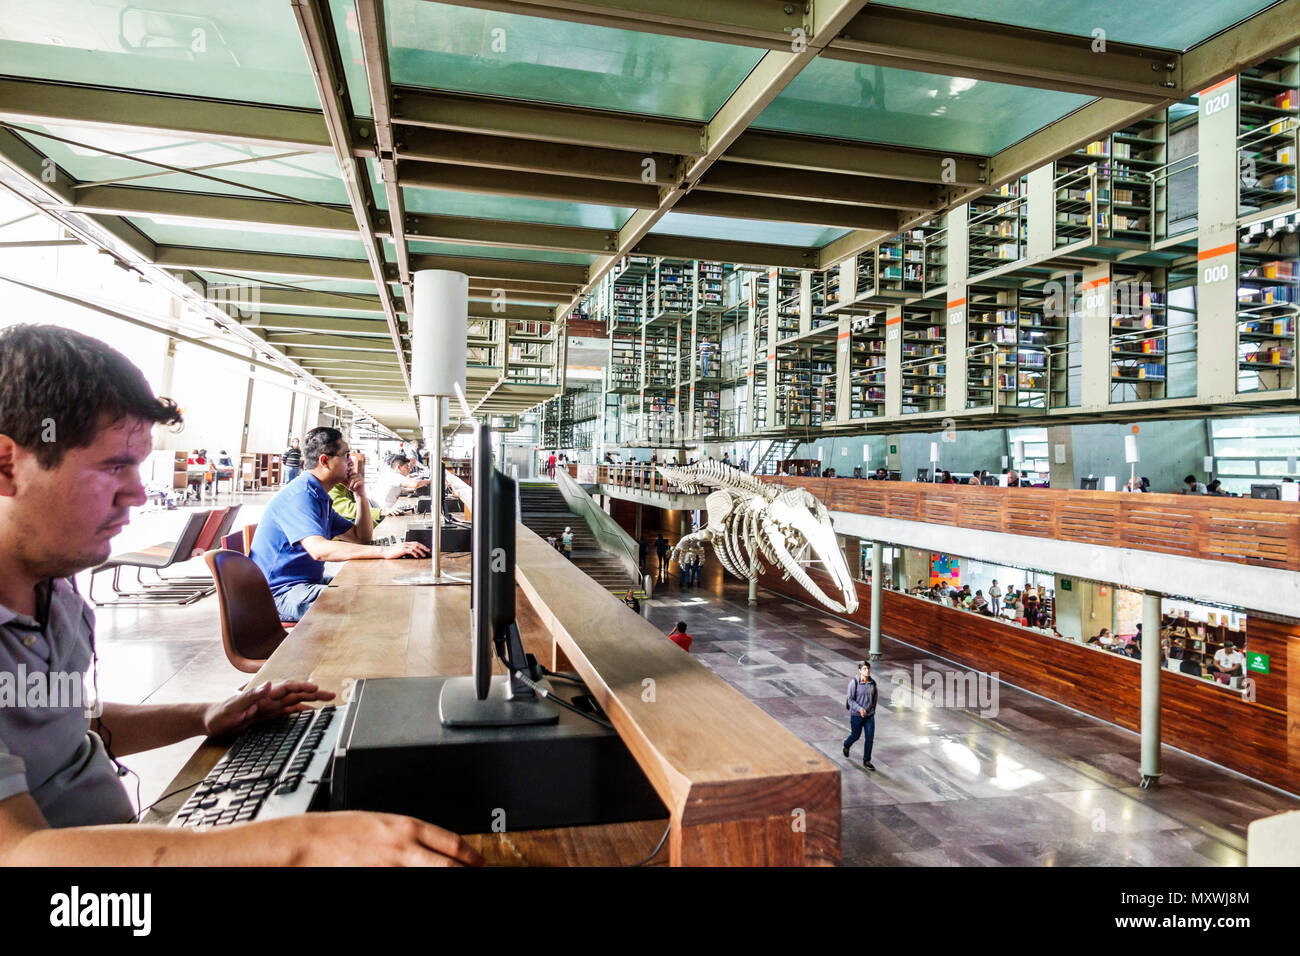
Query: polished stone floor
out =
(1035, 784)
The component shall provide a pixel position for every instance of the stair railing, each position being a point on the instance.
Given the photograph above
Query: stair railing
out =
(609, 535)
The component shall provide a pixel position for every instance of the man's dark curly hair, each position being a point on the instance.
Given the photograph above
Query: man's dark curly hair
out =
(58, 388)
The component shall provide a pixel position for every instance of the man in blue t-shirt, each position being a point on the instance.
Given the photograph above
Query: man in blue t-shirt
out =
(300, 530)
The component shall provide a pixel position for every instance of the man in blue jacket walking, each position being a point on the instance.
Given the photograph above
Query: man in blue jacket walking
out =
(861, 705)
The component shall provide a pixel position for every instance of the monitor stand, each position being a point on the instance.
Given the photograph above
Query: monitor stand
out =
(427, 578)
(510, 703)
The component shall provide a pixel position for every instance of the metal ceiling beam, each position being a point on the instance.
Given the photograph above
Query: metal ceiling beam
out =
(859, 159)
(185, 117)
(374, 55)
(553, 275)
(318, 36)
(772, 74)
(726, 250)
(764, 24)
(174, 204)
(500, 182)
(310, 357)
(702, 202)
(528, 156)
(318, 323)
(482, 311)
(309, 299)
(754, 180)
(498, 116)
(516, 235)
(263, 263)
(1002, 53)
(313, 340)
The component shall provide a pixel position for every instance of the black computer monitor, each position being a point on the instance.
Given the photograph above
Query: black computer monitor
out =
(1267, 492)
(923, 474)
(482, 700)
(1087, 484)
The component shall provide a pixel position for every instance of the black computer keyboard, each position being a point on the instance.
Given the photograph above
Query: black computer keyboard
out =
(273, 770)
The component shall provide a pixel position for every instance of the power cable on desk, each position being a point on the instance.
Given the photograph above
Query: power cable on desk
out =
(547, 695)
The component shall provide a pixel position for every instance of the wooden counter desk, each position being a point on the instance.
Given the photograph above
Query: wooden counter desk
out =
(740, 788)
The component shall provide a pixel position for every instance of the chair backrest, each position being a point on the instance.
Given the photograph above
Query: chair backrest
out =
(227, 523)
(249, 531)
(184, 549)
(208, 534)
(233, 542)
(250, 624)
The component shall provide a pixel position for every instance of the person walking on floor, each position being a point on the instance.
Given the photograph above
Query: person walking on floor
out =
(995, 598)
(566, 540)
(661, 549)
(861, 705)
(550, 467)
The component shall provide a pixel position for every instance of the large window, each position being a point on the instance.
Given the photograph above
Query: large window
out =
(1036, 460)
(1261, 449)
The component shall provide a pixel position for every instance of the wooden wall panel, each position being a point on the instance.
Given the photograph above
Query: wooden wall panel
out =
(1260, 739)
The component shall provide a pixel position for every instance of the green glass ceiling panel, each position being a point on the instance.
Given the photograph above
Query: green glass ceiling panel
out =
(247, 50)
(745, 230)
(446, 47)
(446, 202)
(1167, 24)
(907, 108)
(313, 176)
(249, 239)
(494, 252)
(344, 15)
(298, 282)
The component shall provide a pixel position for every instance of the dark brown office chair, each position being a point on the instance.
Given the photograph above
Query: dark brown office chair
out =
(250, 624)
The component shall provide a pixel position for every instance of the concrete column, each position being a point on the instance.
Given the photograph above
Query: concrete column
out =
(877, 589)
(1150, 688)
(1095, 346)
(1216, 242)
(248, 408)
(168, 381)
(894, 361)
(638, 521)
(843, 371)
(1062, 473)
(955, 388)
(769, 355)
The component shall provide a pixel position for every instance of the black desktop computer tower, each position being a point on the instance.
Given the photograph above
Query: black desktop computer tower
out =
(395, 756)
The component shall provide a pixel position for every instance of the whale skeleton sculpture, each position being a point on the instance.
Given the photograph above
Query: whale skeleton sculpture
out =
(749, 519)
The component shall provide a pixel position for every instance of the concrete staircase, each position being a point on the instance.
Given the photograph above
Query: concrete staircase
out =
(545, 512)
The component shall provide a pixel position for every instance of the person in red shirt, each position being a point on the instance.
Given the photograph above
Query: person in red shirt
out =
(679, 636)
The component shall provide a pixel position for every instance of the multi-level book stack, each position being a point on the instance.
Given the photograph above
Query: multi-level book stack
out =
(996, 227)
(1267, 305)
(1266, 140)
(924, 366)
(1138, 337)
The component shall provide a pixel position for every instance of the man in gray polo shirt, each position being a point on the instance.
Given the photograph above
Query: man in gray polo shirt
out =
(75, 423)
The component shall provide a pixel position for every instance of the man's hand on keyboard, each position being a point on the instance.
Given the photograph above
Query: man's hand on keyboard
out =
(259, 703)
(354, 838)
(406, 549)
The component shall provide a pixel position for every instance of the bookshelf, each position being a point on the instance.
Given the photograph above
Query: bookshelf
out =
(1110, 183)
(992, 355)
(180, 471)
(867, 366)
(1268, 277)
(996, 227)
(924, 368)
(1198, 634)
(1138, 334)
(674, 288)
(788, 287)
(1267, 111)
